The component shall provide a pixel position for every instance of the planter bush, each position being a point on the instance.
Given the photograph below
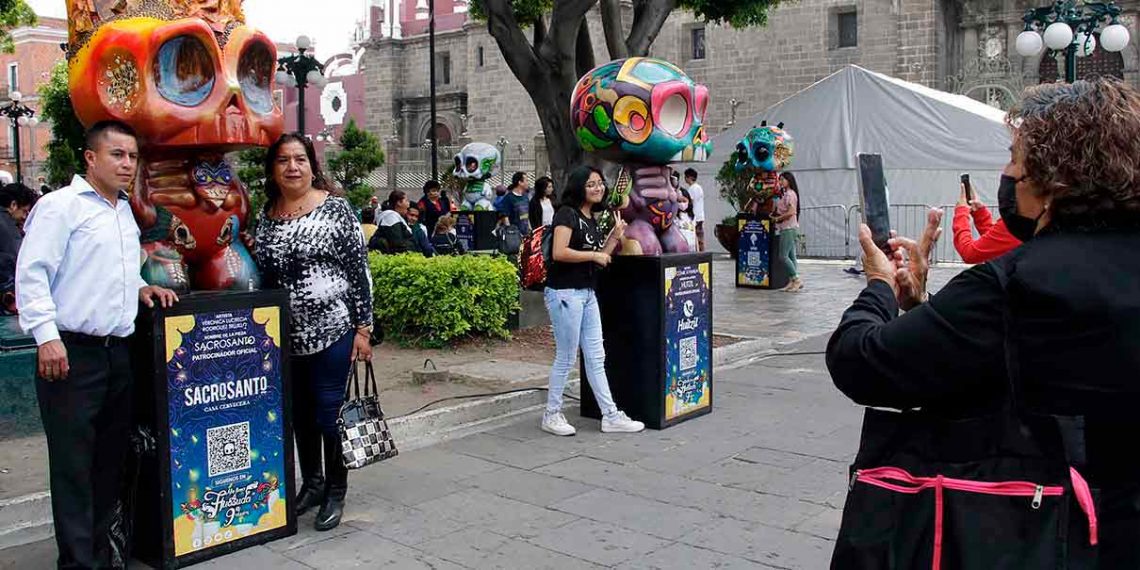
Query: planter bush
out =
(432, 302)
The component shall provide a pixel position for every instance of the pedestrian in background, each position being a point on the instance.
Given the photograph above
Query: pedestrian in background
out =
(433, 204)
(697, 195)
(541, 209)
(787, 219)
(994, 239)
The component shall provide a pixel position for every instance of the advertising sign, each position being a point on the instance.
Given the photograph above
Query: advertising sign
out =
(465, 229)
(225, 401)
(688, 335)
(753, 263)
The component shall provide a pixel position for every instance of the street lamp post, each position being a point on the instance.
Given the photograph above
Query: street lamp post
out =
(431, 71)
(1067, 26)
(300, 71)
(20, 116)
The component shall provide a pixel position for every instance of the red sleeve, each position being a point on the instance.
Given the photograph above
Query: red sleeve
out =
(992, 244)
(983, 220)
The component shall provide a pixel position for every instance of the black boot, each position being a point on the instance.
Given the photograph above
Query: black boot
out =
(332, 509)
(312, 490)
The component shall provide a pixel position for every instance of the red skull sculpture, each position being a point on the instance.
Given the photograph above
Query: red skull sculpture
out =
(194, 82)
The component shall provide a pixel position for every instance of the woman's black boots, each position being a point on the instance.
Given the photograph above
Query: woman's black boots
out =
(312, 491)
(336, 485)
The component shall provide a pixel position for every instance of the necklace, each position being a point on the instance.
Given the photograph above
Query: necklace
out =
(301, 209)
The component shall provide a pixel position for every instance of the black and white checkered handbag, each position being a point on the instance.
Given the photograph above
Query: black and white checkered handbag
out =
(364, 433)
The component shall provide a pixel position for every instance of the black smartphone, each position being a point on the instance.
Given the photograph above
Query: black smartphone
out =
(969, 189)
(873, 200)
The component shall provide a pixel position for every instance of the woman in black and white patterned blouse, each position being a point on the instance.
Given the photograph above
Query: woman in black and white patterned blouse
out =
(309, 242)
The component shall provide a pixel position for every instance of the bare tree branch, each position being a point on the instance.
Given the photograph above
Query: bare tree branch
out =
(612, 25)
(539, 31)
(563, 36)
(516, 50)
(648, 17)
(584, 50)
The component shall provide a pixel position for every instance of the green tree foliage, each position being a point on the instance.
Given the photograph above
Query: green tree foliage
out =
(359, 155)
(65, 151)
(251, 172)
(13, 14)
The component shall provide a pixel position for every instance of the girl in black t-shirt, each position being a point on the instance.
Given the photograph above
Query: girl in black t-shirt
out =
(579, 251)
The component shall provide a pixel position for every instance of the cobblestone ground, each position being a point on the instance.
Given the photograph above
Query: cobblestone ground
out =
(759, 483)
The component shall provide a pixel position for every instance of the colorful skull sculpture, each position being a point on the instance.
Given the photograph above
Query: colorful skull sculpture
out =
(476, 164)
(763, 153)
(643, 113)
(194, 82)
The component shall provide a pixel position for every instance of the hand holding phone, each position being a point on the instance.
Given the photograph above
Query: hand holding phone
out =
(965, 178)
(873, 199)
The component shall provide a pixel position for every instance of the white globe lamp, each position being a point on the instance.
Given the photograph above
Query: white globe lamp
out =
(281, 76)
(1114, 38)
(1058, 36)
(314, 77)
(303, 42)
(1029, 43)
(33, 121)
(22, 121)
(15, 96)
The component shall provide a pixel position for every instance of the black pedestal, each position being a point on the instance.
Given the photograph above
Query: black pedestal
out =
(474, 229)
(757, 259)
(212, 393)
(657, 321)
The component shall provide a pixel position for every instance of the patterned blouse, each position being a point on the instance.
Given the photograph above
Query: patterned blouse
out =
(321, 260)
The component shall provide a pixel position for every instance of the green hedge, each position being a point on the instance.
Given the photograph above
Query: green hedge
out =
(434, 301)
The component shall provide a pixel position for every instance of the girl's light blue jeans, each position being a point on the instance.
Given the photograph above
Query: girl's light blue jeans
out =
(577, 323)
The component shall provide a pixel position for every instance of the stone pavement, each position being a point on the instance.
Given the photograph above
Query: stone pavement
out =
(759, 483)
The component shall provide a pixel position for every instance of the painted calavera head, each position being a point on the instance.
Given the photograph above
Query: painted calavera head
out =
(765, 148)
(477, 161)
(182, 73)
(641, 110)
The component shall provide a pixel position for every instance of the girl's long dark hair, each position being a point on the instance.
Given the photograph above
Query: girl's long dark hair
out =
(791, 178)
(688, 210)
(575, 193)
(272, 191)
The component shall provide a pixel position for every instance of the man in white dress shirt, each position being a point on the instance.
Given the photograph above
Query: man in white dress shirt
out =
(77, 289)
(698, 195)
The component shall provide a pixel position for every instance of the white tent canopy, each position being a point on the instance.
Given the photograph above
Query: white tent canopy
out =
(926, 137)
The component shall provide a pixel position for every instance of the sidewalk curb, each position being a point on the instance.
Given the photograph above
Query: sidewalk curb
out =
(27, 519)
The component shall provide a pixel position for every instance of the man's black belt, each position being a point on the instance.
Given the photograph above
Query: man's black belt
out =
(89, 340)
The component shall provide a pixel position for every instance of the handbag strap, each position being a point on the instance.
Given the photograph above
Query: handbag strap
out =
(353, 384)
(370, 379)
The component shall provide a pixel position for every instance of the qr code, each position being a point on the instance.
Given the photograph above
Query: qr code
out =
(688, 353)
(754, 258)
(227, 448)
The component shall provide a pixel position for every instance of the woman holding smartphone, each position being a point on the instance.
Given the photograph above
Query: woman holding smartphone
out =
(579, 252)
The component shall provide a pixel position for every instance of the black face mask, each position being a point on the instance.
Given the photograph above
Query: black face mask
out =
(1019, 226)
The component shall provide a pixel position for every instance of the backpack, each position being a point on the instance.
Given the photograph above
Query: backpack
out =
(510, 240)
(534, 261)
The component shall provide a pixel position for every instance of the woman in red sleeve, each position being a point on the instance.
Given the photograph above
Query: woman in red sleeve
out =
(994, 239)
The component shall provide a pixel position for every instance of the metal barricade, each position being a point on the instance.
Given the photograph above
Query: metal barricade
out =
(824, 232)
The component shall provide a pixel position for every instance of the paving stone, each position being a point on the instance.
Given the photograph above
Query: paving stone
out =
(364, 550)
(684, 556)
(255, 557)
(400, 484)
(597, 542)
(825, 525)
(763, 543)
(528, 486)
(444, 463)
(307, 535)
(635, 513)
(478, 548)
(406, 525)
(507, 517)
(819, 481)
(506, 452)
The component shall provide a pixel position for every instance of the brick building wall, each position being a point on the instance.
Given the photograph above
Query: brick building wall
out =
(36, 53)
